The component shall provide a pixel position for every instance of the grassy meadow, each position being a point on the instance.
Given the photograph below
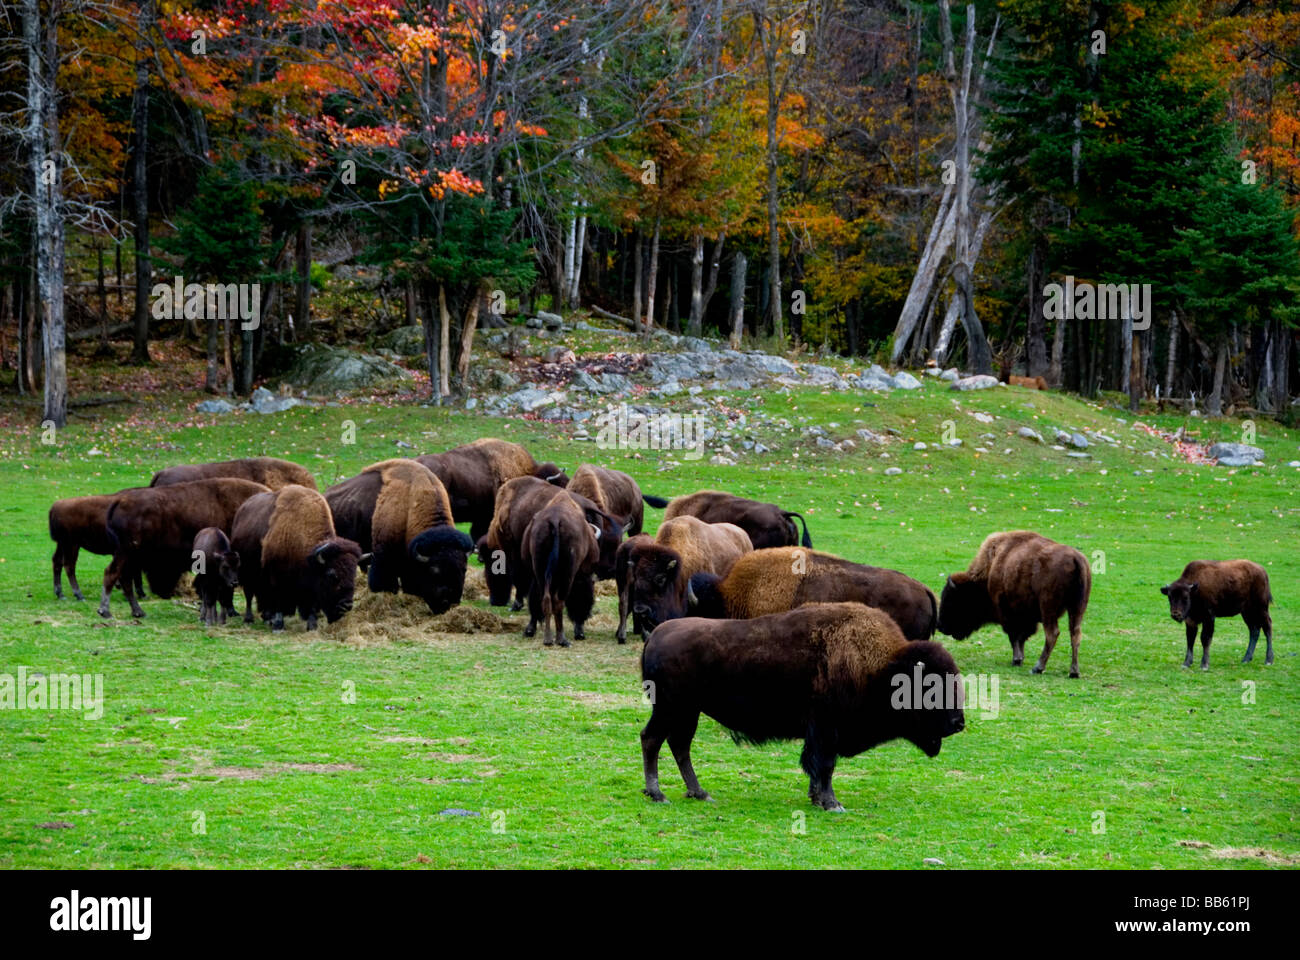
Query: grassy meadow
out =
(393, 739)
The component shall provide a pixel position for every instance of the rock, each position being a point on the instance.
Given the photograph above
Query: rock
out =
(824, 442)
(1030, 434)
(323, 369)
(982, 417)
(585, 382)
(215, 406)
(980, 382)
(954, 442)
(531, 398)
(457, 812)
(1079, 456)
(614, 383)
(870, 436)
(1078, 441)
(404, 341)
(264, 401)
(695, 345)
(718, 460)
(933, 862)
(471, 403)
(533, 323)
(919, 446)
(871, 382)
(759, 448)
(818, 376)
(905, 381)
(560, 355)
(551, 321)
(767, 363)
(1238, 462)
(893, 471)
(1235, 451)
(951, 375)
(502, 380)
(669, 389)
(1294, 463)
(932, 371)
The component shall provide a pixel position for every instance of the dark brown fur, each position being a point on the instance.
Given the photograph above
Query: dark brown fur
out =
(783, 578)
(653, 576)
(474, 472)
(153, 529)
(827, 673)
(293, 559)
(1209, 589)
(766, 523)
(560, 548)
(400, 510)
(268, 471)
(1019, 580)
(81, 523)
(614, 492)
(216, 574)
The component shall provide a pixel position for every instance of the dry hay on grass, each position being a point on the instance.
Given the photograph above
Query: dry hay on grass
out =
(398, 617)
(202, 768)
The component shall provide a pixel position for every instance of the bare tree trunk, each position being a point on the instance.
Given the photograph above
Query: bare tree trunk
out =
(302, 298)
(637, 285)
(694, 326)
(570, 235)
(140, 187)
(467, 340)
(918, 295)
(1214, 406)
(1056, 372)
(715, 262)
(739, 264)
(652, 279)
(1036, 364)
(1136, 384)
(1172, 363)
(444, 344)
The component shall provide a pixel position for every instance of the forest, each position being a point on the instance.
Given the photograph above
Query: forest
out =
(1098, 193)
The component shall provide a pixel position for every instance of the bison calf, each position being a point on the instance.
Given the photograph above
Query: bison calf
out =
(839, 676)
(76, 524)
(216, 575)
(1208, 589)
(1019, 580)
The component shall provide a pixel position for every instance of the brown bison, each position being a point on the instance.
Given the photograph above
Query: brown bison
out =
(474, 472)
(153, 529)
(615, 493)
(400, 511)
(766, 523)
(216, 574)
(81, 523)
(653, 575)
(561, 548)
(1019, 580)
(501, 548)
(267, 471)
(293, 559)
(839, 676)
(782, 578)
(1208, 589)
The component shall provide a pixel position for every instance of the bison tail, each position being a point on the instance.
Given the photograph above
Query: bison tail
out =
(934, 616)
(657, 502)
(807, 540)
(552, 561)
(108, 526)
(1082, 585)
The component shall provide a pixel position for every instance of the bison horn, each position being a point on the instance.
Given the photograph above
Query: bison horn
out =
(691, 600)
(420, 558)
(595, 529)
(555, 476)
(672, 564)
(948, 582)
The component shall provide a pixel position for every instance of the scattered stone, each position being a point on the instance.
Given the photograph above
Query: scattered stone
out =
(905, 381)
(471, 403)
(551, 321)
(264, 401)
(982, 417)
(1079, 456)
(215, 406)
(893, 471)
(560, 355)
(1030, 434)
(951, 375)
(823, 442)
(1235, 451)
(933, 862)
(980, 382)
(919, 446)
(319, 368)
(404, 341)
(457, 812)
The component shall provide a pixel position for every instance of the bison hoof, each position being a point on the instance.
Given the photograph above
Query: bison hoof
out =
(105, 613)
(1038, 668)
(1017, 663)
(836, 807)
(699, 795)
(1205, 666)
(516, 606)
(563, 642)
(656, 795)
(1074, 674)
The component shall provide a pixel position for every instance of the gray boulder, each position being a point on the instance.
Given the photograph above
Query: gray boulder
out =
(215, 406)
(979, 382)
(1224, 452)
(264, 401)
(905, 381)
(404, 341)
(324, 369)
(1030, 434)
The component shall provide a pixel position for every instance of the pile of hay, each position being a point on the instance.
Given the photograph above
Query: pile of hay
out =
(397, 617)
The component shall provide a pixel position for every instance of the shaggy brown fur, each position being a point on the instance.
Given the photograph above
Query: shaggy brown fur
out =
(215, 580)
(153, 529)
(1224, 589)
(782, 578)
(400, 510)
(474, 472)
(653, 575)
(76, 524)
(1033, 383)
(500, 549)
(766, 523)
(560, 548)
(268, 471)
(615, 493)
(1018, 580)
(836, 675)
(292, 558)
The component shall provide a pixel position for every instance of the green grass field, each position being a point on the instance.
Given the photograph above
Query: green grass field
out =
(228, 747)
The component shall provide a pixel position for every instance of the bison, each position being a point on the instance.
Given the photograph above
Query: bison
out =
(216, 574)
(615, 493)
(293, 558)
(400, 511)
(474, 472)
(560, 548)
(1019, 580)
(839, 676)
(81, 523)
(501, 548)
(782, 578)
(766, 523)
(153, 529)
(1209, 589)
(267, 471)
(654, 575)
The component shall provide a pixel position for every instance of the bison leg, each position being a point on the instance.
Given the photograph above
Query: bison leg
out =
(118, 573)
(582, 597)
(623, 601)
(58, 571)
(1076, 635)
(1051, 632)
(818, 761)
(1268, 637)
(1254, 639)
(129, 577)
(311, 619)
(1017, 651)
(277, 622)
(679, 741)
(1207, 634)
(534, 611)
(557, 613)
(70, 564)
(248, 603)
(1191, 643)
(652, 739)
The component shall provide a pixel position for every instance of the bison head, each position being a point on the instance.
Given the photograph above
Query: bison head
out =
(1180, 594)
(964, 606)
(228, 568)
(609, 534)
(658, 587)
(704, 597)
(435, 567)
(925, 697)
(495, 572)
(551, 474)
(332, 572)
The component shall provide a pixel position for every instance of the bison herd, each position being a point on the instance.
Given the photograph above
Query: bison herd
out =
(742, 619)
